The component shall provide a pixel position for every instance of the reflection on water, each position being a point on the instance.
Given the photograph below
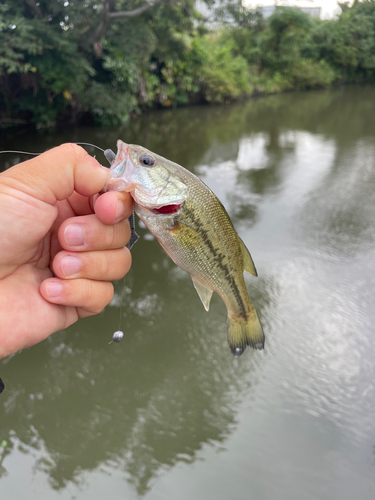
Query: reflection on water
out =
(168, 413)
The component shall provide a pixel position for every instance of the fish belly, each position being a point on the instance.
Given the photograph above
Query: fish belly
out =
(211, 257)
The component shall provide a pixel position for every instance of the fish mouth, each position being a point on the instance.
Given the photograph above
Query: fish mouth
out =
(148, 212)
(166, 209)
(117, 181)
(125, 174)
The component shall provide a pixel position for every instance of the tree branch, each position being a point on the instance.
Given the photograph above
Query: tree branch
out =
(133, 13)
(108, 15)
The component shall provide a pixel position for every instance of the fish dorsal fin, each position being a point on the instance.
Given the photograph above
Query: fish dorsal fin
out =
(204, 293)
(248, 264)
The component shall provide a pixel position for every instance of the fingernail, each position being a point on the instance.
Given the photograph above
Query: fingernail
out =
(53, 289)
(120, 209)
(73, 235)
(70, 265)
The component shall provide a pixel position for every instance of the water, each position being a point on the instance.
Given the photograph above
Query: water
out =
(168, 413)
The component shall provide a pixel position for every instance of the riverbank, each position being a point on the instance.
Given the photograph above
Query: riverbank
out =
(53, 75)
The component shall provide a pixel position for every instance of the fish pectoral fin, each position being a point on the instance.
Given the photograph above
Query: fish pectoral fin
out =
(248, 263)
(176, 219)
(204, 293)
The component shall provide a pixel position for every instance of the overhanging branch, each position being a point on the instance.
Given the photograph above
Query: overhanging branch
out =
(108, 14)
(133, 13)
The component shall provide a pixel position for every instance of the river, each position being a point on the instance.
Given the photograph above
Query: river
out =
(168, 413)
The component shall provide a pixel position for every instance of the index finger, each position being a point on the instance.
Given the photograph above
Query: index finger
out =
(57, 173)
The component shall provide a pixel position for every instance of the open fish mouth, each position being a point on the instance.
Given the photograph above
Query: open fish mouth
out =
(167, 209)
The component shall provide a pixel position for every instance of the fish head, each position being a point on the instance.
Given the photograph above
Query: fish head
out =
(150, 179)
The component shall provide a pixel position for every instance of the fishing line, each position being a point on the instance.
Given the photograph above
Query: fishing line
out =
(36, 154)
(122, 304)
(88, 144)
(20, 152)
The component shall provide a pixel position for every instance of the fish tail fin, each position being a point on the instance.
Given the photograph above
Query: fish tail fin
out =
(244, 331)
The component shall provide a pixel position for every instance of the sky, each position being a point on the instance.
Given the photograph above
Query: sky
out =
(329, 7)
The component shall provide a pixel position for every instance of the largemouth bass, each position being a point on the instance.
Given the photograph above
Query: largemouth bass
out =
(195, 230)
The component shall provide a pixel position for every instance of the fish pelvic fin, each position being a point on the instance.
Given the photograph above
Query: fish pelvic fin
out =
(248, 263)
(244, 331)
(204, 293)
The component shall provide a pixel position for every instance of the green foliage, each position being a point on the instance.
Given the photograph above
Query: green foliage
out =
(63, 60)
(224, 75)
(306, 74)
(109, 105)
(17, 40)
(207, 68)
(281, 40)
(348, 43)
(176, 72)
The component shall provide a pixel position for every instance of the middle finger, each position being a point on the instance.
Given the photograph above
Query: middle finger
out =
(82, 234)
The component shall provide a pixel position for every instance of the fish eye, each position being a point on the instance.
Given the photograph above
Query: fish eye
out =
(146, 160)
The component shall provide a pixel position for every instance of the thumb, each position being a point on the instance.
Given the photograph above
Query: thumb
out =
(57, 173)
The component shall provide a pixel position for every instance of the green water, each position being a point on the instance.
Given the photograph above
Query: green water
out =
(168, 413)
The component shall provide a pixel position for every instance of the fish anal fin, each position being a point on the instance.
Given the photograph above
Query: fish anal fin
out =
(204, 293)
(248, 263)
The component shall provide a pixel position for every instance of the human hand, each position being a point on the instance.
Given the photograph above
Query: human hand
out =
(60, 245)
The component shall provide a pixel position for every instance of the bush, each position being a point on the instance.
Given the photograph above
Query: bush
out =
(223, 74)
(307, 73)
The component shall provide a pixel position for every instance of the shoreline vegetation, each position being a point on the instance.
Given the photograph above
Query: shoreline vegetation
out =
(101, 62)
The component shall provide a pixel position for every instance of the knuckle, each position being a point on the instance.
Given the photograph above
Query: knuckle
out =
(112, 236)
(74, 149)
(88, 291)
(105, 265)
(70, 150)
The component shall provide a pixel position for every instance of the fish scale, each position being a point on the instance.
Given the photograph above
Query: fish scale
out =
(197, 234)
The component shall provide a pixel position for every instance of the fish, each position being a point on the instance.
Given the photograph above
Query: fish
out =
(193, 227)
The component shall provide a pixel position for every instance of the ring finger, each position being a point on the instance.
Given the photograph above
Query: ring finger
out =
(105, 265)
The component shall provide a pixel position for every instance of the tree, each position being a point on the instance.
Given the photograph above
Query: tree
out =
(349, 42)
(60, 59)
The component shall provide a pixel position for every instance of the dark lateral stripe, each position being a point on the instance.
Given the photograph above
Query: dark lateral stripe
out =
(217, 256)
